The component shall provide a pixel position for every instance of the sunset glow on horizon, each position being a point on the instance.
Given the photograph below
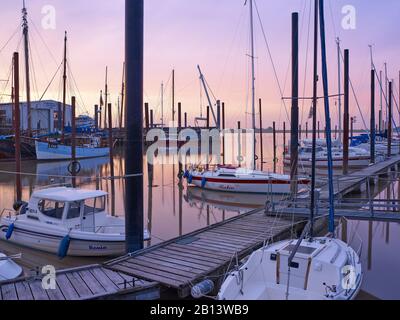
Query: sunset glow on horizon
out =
(180, 34)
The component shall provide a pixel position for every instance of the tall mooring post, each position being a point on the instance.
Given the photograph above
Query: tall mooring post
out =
(134, 25)
(294, 151)
(346, 115)
(17, 128)
(372, 126)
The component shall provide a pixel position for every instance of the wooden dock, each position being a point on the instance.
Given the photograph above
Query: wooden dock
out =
(347, 184)
(177, 264)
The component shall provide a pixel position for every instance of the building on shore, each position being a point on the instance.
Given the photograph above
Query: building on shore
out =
(46, 116)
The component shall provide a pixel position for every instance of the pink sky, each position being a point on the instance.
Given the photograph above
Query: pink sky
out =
(183, 33)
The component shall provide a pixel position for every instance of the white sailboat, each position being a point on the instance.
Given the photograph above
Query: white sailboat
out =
(309, 268)
(236, 179)
(66, 221)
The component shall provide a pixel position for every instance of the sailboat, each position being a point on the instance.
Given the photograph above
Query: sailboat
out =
(87, 145)
(235, 179)
(310, 268)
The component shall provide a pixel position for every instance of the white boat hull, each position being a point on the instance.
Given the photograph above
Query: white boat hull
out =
(45, 151)
(244, 184)
(264, 276)
(359, 162)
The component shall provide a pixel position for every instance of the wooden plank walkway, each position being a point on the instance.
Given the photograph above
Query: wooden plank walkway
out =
(182, 262)
(175, 264)
(346, 184)
(89, 282)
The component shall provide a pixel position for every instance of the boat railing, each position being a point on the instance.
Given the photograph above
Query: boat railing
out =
(7, 212)
(56, 185)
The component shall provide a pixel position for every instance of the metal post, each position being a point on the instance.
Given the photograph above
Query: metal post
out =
(134, 25)
(261, 135)
(17, 128)
(295, 105)
(73, 141)
(223, 132)
(373, 133)
(346, 114)
(274, 144)
(111, 146)
(390, 119)
(146, 115)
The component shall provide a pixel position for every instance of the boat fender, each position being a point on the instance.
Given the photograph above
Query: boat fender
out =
(203, 182)
(190, 178)
(202, 289)
(64, 247)
(186, 174)
(10, 231)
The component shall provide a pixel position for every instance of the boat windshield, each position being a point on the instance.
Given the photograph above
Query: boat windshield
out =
(51, 209)
(95, 205)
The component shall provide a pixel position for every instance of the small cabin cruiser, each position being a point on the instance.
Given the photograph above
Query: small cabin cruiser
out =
(9, 270)
(233, 179)
(322, 269)
(66, 221)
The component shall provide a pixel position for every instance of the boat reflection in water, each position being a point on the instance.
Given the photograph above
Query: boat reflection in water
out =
(239, 202)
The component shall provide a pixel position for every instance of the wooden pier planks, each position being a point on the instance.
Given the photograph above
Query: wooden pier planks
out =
(76, 284)
(181, 262)
(347, 184)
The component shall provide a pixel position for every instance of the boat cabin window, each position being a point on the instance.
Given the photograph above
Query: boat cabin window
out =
(95, 205)
(74, 210)
(51, 209)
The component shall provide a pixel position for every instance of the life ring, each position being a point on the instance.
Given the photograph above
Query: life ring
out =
(74, 167)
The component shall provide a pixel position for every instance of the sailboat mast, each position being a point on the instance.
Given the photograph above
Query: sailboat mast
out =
(327, 118)
(314, 134)
(253, 82)
(106, 99)
(64, 88)
(339, 87)
(25, 29)
(162, 104)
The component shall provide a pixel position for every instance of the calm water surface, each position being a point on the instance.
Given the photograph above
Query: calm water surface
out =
(171, 211)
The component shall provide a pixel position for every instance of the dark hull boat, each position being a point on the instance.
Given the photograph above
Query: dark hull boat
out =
(7, 150)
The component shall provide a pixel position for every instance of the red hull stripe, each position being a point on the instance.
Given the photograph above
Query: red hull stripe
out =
(238, 181)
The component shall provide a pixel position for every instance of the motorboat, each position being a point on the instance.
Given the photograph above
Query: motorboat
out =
(322, 269)
(9, 270)
(235, 179)
(66, 221)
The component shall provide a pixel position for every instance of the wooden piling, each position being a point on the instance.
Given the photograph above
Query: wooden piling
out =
(152, 118)
(294, 151)
(319, 131)
(179, 116)
(284, 137)
(390, 119)
(17, 128)
(186, 120)
(239, 155)
(96, 117)
(146, 115)
(73, 141)
(208, 117)
(261, 135)
(223, 133)
(274, 145)
(111, 146)
(373, 133)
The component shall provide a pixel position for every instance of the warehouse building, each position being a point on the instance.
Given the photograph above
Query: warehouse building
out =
(46, 116)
